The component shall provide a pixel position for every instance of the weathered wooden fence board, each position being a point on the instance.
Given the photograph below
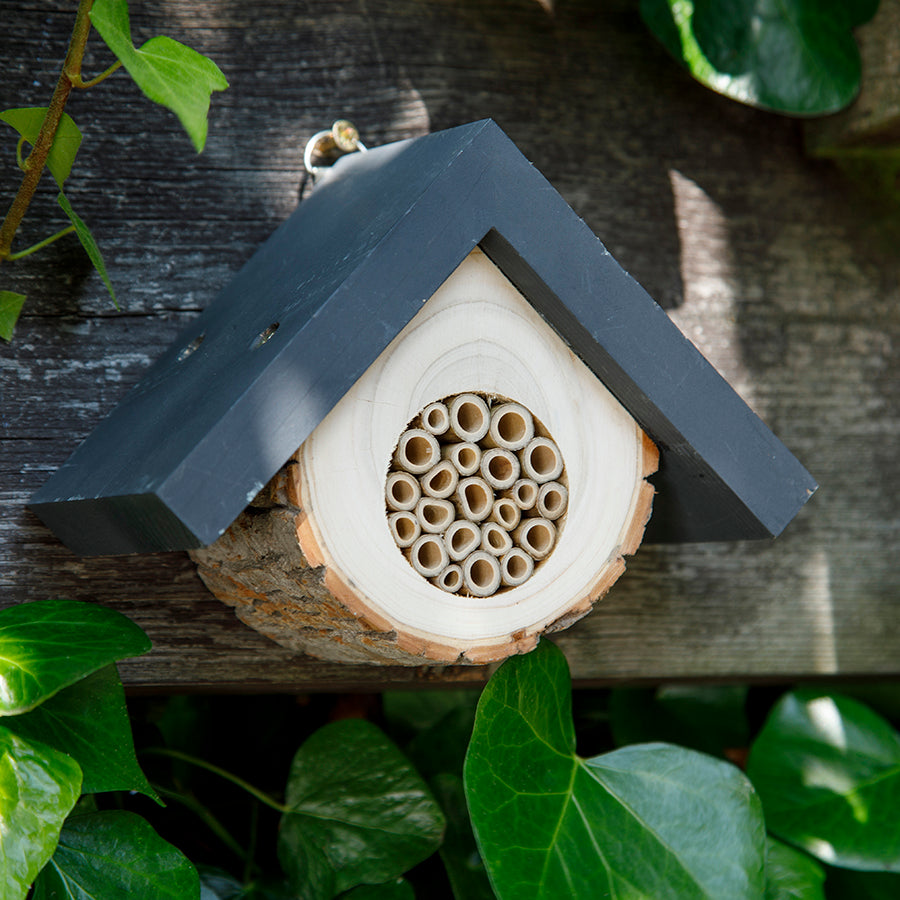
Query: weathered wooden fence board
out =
(780, 272)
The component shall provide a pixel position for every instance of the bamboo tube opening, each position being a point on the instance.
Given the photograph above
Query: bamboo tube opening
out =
(428, 555)
(436, 418)
(499, 468)
(450, 580)
(512, 426)
(402, 491)
(469, 417)
(541, 460)
(473, 504)
(435, 516)
(505, 513)
(466, 457)
(404, 527)
(462, 538)
(524, 493)
(481, 574)
(516, 567)
(552, 501)
(441, 480)
(495, 540)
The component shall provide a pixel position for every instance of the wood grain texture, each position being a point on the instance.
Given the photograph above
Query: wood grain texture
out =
(783, 276)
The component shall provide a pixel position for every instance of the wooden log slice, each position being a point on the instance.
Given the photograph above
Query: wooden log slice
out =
(314, 563)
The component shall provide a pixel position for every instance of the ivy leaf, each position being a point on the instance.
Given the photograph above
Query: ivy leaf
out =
(828, 771)
(792, 875)
(797, 56)
(88, 242)
(38, 788)
(115, 854)
(169, 73)
(89, 721)
(10, 306)
(360, 813)
(50, 644)
(28, 120)
(393, 890)
(650, 820)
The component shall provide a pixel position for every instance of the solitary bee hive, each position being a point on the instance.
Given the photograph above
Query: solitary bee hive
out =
(478, 393)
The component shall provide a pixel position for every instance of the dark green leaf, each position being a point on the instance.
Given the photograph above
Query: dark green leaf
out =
(218, 885)
(50, 644)
(828, 772)
(842, 884)
(410, 712)
(28, 121)
(169, 73)
(10, 306)
(38, 788)
(709, 719)
(88, 242)
(792, 875)
(89, 721)
(115, 854)
(360, 813)
(442, 746)
(550, 824)
(459, 852)
(796, 56)
(394, 890)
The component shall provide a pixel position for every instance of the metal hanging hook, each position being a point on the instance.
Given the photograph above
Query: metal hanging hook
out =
(341, 138)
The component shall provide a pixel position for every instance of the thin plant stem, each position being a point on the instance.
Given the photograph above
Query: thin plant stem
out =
(19, 161)
(82, 85)
(211, 822)
(41, 244)
(37, 159)
(222, 773)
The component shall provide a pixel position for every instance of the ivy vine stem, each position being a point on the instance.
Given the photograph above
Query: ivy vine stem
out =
(36, 161)
(222, 773)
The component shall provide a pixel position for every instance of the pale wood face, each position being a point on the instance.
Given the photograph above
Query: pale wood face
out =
(476, 333)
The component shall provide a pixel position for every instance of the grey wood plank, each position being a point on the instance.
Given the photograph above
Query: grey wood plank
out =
(777, 269)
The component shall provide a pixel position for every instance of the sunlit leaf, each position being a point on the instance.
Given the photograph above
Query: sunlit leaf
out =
(38, 788)
(360, 813)
(828, 772)
(115, 854)
(796, 56)
(169, 73)
(49, 644)
(28, 120)
(792, 875)
(10, 306)
(89, 721)
(88, 242)
(653, 821)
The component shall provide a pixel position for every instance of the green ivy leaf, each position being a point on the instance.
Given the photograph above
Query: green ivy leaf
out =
(644, 821)
(28, 120)
(797, 56)
(169, 73)
(38, 788)
(50, 644)
(792, 875)
(828, 771)
(88, 242)
(10, 306)
(115, 854)
(89, 721)
(709, 719)
(360, 813)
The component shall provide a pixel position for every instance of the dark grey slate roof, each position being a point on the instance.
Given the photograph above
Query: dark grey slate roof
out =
(181, 456)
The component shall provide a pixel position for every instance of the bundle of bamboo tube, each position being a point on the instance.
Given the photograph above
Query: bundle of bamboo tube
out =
(476, 494)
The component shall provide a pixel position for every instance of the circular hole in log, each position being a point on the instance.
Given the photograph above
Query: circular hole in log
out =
(506, 479)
